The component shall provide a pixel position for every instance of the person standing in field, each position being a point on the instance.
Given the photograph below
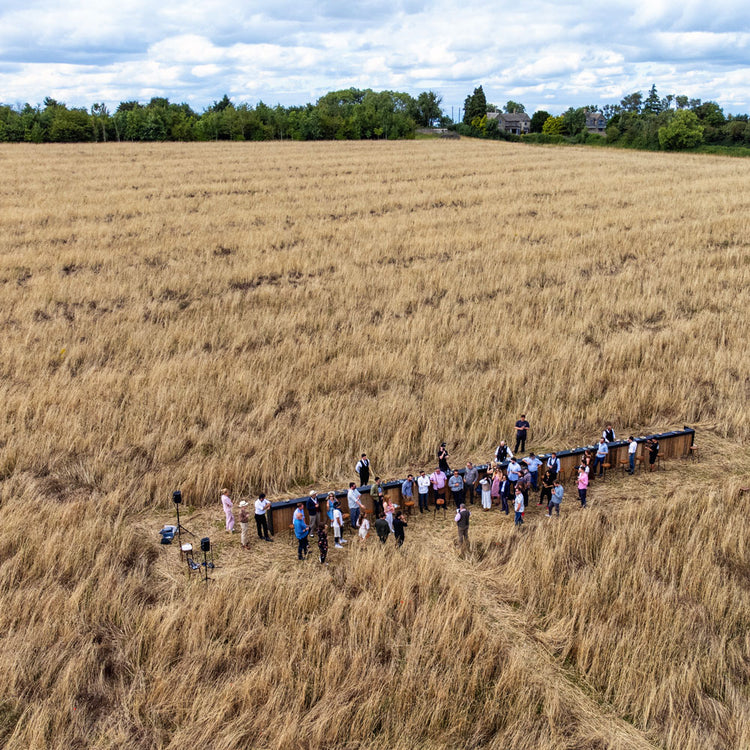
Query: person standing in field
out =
(407, 489)
(471, 477)
(399, 524)
(495, 486)
(506, 493)
(583, 483)
(261, 507)
(553, 466)
(355, 506)
(462, 523)
(442, 454)
(522, 429)
(533, 463)
(456, 486)
(244, 522)
(514, 472)
(377, 493)
(322, 543)
(388, 510)
(609, 433)
(486, 486)
(556, 499)
(518, 507)
(382, 529)
(312, 510)
(652, 445)
(602, 450)
(503, 452)
(439, 480)
(524, 484)
(227, 505)
(545, 495)
(423, 487)
(632, 450)
(363, 469)
(364, 526)
(301, 531)
(337, 524)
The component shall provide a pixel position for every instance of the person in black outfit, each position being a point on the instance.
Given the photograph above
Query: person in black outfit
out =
(548, 482)
(363, 469)
(399, 524)
(442, 455)
(323, 542)
(522, 428)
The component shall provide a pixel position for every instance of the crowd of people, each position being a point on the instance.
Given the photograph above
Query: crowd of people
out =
(508, 481)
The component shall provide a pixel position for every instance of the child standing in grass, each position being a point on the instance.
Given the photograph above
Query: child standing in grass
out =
(399, 524)
(364, 526)
(322, 543)
(336, 523)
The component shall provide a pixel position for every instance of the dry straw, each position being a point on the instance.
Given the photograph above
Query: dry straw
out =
(257, 315)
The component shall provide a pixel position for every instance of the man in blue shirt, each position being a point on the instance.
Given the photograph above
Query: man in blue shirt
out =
(601, 456)
(301, 531)
(533, 463)
(456, 486)
(522, 428)
(407, 488)
(514, 471)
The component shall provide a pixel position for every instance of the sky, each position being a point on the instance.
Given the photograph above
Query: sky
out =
(545, 54)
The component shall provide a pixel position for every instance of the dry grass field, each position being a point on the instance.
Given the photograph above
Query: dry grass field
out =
(255, 316)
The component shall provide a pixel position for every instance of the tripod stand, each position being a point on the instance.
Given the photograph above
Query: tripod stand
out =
(206, 548)
(177, 499)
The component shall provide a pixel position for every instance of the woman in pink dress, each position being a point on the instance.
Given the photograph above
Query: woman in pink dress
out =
(495, 490)
(227, 504)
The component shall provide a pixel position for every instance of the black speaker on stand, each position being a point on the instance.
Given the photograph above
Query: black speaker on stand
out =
(177, 500)
(206, 548)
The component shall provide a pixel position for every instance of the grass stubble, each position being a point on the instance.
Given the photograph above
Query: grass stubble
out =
(256, 315)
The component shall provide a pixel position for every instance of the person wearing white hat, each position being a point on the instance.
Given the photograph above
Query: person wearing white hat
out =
(312, 510)
(244, 521)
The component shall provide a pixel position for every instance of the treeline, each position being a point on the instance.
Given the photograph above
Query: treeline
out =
(670, 123)
(351, 114)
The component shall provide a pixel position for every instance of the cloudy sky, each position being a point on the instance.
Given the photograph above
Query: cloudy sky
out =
(547, 54)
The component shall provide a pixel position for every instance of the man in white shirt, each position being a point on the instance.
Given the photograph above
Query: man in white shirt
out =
(355, 506)
(261, 506)
(519, 507)
(363, 469)
(337, 524)
(632, 450)
(423, 486)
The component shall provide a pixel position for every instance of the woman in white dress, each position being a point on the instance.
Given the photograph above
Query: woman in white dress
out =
(486, 486)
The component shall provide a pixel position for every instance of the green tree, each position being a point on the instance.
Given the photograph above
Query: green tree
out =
(553, 126)
(574, 121)
(428, 108)
(70, 126)
(632, 102)
(652, 105)
(475, 105)
(512, 107)
(683, 131)
(537, 121)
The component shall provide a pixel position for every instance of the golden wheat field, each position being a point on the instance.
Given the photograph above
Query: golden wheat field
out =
(255, 316)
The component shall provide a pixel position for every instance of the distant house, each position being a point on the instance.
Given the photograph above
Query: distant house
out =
(516, 123)
(596, 122)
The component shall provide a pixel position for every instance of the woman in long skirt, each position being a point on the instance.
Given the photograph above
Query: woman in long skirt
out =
(495, 489)
(227, 504)
(486, 493)
(389, 509)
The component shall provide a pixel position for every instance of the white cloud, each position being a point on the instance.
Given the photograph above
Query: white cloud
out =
(540, 52)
